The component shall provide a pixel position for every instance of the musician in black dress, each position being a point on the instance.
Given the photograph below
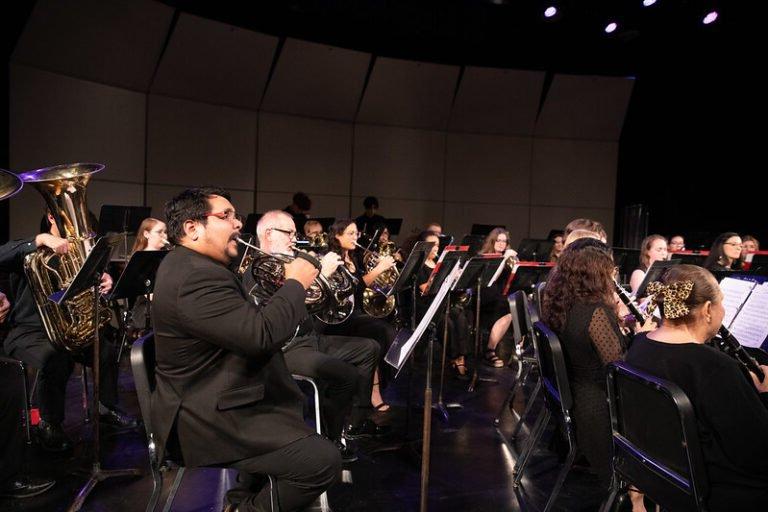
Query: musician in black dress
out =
(578, 304)
(731, 416)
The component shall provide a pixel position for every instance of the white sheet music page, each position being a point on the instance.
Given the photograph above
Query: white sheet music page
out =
(735, 292)
(750, 326)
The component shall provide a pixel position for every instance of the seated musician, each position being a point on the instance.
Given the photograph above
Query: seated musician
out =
(342, 239)
(344, 365)
(299, 208)
(435, 228)
(494, 308)
(312, 228)
(676, 244)
(459, 343)
(578, 305)
(367, 222)
(653, 248)
(558, 244)
(589, 225)
(28, 341)
(223, 391)
(731, 417)
(151, 236)
(725, 253)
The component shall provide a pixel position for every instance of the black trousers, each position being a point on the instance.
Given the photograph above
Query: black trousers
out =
(366, 326)
(303, 470)
(12, 404)
(343, 367)
(31, 345)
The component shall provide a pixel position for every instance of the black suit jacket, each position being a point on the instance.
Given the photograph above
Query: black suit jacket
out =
(221, 378)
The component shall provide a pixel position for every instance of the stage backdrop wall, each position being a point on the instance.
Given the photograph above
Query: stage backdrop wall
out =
(169, 102)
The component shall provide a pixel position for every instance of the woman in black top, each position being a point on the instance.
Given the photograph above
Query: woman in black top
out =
(578, 304)
(731, 417)
(458, 323)
(342, 237)
(725, 253)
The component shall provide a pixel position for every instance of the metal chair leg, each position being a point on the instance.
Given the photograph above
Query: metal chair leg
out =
(527, 411)
(561, 478)
(519, 382)
(157, 488)
(174, 488)
(525, 455)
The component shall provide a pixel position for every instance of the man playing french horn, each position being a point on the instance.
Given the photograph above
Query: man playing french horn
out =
(343, 365)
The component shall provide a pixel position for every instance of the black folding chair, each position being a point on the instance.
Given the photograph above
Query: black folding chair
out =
(655, 441)
(522, 334)
(557, 402)
(143, 366)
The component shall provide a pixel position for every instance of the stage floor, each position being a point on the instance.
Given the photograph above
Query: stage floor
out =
(471, 468)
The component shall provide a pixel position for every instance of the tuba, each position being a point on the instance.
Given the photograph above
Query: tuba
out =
(10, 184)
(70, 325)
(330, 299)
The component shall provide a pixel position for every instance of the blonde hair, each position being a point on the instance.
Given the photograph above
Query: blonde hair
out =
(145, 227)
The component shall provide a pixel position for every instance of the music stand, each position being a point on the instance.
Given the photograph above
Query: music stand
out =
(655, 273)
(445, 241)
(407, 276)
(691, 257)
(485, 229)
(89, 277)
(526, 276)
(534, 249)
(476, 274)
(475, 242)
(441, 271)
(250, 223)
(124, 220)
(627, 260)
(138, 278)
(393, 226)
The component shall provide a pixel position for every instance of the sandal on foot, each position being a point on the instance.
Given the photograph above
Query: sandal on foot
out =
(491, 359)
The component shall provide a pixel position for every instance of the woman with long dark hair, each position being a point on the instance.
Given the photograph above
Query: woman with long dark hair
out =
(342, 239)
(725, 253)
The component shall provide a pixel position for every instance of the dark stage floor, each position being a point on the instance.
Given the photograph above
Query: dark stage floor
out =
(471, 468)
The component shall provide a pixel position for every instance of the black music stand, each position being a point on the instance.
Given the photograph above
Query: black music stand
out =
(407, 276)
(485, 229)
(477, 273)
(691, 257)
(440, 273)
(393, 226)
(534, 249)
(89, 277)
(250, 223)
(627, 260)
(475, 242)
(138, 278)
(526, 276)
(124, 220)
(655, 273)
(445, 241)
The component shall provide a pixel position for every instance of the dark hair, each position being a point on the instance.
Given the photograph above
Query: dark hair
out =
(370, 202)
(588, 224)
(705, 288)
(424, 234)
(490, 240)
(191, 204)
(717, 256)
(303, 201)
(337, 228)
(584, 273)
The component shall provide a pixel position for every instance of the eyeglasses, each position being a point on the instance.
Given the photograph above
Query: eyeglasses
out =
(290, 232)
(228, 215)
(352, 233)
(501, 240)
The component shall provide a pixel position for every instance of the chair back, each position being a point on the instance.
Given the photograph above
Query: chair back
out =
(655, 439)
(554, 376)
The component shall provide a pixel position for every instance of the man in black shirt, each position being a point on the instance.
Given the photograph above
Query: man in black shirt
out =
(369, 221)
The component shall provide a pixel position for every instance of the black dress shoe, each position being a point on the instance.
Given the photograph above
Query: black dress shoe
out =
(25, 487)
(51, 437)
(116, 418)
(347, 453)
(367, 428)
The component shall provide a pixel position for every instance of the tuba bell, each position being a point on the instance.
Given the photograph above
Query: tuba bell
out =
(10, 184)
(70, 325)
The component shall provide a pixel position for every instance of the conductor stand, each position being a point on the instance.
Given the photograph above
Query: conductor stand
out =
(87, 278)
(138, 280)
(479, 272)
(399, 353)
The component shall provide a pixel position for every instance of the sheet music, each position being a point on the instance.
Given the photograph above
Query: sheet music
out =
(735, 292)
(425, 321)
(750, 326)
(498, 271)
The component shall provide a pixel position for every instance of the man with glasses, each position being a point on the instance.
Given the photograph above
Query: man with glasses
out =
(343, 364)
(224, 393)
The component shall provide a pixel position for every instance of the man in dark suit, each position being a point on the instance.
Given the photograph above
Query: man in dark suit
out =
(223, 390)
